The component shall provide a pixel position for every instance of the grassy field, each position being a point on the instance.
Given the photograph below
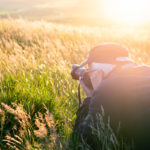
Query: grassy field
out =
(38, 97)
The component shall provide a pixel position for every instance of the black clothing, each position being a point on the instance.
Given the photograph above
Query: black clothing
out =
(125, 97)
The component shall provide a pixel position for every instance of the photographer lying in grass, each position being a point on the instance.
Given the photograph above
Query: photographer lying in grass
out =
(121, 87)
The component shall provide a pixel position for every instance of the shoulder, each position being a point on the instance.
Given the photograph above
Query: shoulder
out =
(125, 78)
(137, 70)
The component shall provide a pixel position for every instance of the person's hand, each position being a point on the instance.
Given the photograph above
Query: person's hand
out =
(73, 72)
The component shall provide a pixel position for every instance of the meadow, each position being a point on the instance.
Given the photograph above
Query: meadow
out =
(38, 98)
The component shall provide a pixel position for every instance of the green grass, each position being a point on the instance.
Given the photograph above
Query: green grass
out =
(35, 65)
(34, 90)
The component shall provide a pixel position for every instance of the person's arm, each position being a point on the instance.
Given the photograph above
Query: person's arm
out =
(96, 78)
(85, 88)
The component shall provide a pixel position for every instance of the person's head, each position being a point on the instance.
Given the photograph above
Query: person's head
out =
(104, 58)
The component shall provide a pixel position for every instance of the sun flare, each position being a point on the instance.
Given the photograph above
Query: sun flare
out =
(128, 11)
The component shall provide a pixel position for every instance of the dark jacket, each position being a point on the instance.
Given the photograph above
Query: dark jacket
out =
(125, 97)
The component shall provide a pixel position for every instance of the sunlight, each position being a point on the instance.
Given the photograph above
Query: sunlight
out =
(128, 11)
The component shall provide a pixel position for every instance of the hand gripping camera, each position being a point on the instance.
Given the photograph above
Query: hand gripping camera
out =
(78, 72)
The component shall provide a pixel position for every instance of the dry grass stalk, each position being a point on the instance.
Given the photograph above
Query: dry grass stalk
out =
(12, 146)
(49, 118)
(58, 41)
(40, 124)
(15, 127)
(15, 141)
(53, 140)
(12, 142)
(8, 109)
(28, 145)
(20, 139)
(22, 117)
(1, 111)
(21, 132)
(37, 145)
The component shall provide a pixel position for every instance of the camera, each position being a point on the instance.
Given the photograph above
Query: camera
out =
(77, 72)
(81, 72)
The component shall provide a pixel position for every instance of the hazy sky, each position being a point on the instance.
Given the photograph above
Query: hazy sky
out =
(134, 11)
(16, 4)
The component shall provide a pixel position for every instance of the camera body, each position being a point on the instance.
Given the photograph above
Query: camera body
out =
(81, 72)
(77, 72)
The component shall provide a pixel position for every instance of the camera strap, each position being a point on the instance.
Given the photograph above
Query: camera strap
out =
(79, 95)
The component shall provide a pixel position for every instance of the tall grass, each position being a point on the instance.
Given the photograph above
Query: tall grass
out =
(35, 82)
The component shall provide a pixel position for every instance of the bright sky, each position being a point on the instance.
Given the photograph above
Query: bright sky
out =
(128, 11)
(122, 11)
